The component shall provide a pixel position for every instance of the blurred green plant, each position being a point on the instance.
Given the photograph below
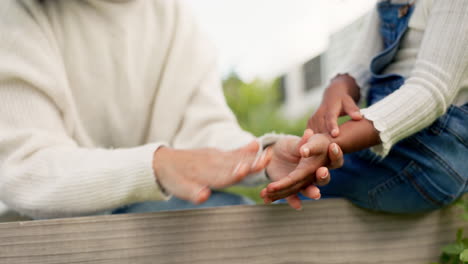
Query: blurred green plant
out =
(457, 252)
(257, 107)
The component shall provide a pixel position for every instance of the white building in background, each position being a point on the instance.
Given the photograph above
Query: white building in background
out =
(303, 85)
(302, 40)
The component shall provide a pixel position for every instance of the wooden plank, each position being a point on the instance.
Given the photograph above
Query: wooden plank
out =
(330, 231)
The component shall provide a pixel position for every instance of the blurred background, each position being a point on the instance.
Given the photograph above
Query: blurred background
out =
(277, 56)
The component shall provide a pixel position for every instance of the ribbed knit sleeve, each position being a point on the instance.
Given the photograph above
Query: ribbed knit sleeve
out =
(44, 172)
(434, 82)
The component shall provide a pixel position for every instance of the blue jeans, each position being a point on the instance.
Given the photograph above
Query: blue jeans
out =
(216, 199)
(423, 172)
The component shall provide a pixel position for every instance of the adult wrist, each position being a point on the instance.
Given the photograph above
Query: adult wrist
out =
(161, 158)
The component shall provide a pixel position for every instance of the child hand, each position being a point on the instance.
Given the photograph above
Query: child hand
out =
(338, 100)
(315, 155)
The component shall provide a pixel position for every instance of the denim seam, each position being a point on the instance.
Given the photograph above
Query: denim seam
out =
(400, 178)
(453, 133)
(421, 190)
(444, 164)
(387, 185)
(463, 108)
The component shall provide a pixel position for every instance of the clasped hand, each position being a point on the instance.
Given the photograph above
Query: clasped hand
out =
(191, 174)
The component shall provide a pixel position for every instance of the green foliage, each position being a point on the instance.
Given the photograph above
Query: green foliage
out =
(257, 108)
(457, 252)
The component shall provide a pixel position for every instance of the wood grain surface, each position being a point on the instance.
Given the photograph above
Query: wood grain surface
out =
(330, 231)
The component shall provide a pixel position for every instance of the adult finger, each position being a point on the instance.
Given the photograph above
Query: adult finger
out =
(294, 202)
(311, 148)
(335, 154)
(262, 161)
(240, 171)
(312, 192)
(236, 164)
(308, 133)
(252, 147)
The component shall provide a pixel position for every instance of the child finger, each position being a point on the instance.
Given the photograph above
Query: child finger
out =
(294, 202)
(289, 191)
(335, 154)
(322, 176)
(351, 109)
(331, 122)
(292, 179)
(332, 126)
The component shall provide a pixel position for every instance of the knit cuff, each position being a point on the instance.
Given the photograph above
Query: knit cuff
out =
(147, 187)
(384, 148)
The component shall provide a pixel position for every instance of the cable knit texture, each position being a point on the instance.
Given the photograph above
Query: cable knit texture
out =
(90, 89)
(433, 58)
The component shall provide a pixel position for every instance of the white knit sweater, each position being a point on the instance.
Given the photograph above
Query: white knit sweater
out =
(433, 57)
(90, 89)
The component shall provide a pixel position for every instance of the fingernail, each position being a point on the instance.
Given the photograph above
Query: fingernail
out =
(357, 113)
(197, 195)
(236, 169)
(305, 151)
(324, 176)
(335, 149)
(299, 209)
(318, 197)
(335, 131)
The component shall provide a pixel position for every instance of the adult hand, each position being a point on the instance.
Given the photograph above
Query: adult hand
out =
(287, 158)
(189, 174)
(339, 99)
